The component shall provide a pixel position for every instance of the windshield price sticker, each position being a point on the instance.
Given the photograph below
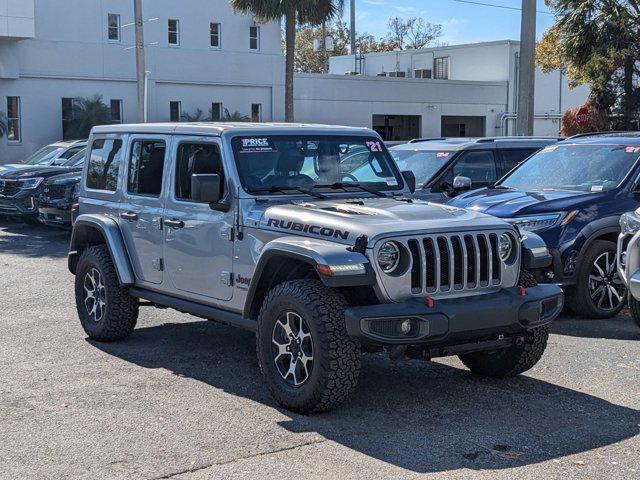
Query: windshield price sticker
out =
(549, 149)
(442, 154)
(597, 188)
(250, 145)
(632, 149)
(391, 181)
(374, 146)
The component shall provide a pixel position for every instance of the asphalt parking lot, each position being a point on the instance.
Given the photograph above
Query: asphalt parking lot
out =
(182, 398)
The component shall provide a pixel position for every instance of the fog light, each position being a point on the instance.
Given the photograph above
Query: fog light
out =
(406, 326)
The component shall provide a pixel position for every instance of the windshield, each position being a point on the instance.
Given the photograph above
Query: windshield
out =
(278, 162)
(580, 168)
(44, 156)
(423, 163)
(77, 160)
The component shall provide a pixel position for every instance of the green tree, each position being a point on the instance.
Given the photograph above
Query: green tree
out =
(86, 114)
(4, 128)
(597, 42)
(234, 117)
(294, 12)
(192, 117)
(413, 33)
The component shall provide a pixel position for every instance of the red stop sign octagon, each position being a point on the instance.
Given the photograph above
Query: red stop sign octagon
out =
(583, 117)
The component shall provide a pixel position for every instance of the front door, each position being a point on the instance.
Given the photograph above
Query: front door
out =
(198, 239)
(142, 205)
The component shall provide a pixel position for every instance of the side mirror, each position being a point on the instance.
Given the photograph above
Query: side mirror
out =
(206, 188)
(462, 184)
(410, 179)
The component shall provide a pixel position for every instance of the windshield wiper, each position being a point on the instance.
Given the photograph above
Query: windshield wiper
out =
(281, 188)
(345, 185)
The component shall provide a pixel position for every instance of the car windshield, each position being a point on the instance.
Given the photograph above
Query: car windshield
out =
(77, 160)
(44, 156)
(423, 163)
(279, 162)
(581, 168)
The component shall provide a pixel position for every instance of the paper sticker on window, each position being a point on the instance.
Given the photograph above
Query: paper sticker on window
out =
(597, 188)
(250, 145)
(548, 149)
(374, 146)
(632, 149)
(442, 154)
(391, 181)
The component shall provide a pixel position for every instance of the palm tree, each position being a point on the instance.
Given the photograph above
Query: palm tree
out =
(312, 12)
(192, 117)
(234, 117)
(86, 114)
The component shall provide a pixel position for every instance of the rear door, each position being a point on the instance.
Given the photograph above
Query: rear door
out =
(512, 157)
(198, 237)
(142, 205)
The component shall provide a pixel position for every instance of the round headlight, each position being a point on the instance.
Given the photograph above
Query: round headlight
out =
(506, 247)
(389, 257)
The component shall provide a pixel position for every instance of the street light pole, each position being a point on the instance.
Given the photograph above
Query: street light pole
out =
(526, 79)
(140, 61)
(353, 27)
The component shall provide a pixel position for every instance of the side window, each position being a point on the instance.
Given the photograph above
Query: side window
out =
(512, 158)
(146, 167)
(479, 166)
(196, 158)
(104, 164)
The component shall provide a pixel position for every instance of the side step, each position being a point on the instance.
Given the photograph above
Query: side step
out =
(196, 309)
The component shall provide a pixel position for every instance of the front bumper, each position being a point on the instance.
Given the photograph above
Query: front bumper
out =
(456, 320)
(56, 213)
(20, 204)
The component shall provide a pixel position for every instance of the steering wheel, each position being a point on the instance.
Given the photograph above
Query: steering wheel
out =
(350, 177)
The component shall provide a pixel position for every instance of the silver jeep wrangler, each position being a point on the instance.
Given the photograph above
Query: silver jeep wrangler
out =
(307, 236)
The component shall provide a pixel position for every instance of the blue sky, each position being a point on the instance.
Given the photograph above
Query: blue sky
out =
(462, 22)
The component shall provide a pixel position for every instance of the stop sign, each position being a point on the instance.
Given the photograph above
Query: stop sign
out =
(583, 117)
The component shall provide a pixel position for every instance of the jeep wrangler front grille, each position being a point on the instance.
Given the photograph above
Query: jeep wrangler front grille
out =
(454, 262)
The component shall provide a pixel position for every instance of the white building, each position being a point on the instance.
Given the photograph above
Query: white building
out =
(461, 90)
(52, 51)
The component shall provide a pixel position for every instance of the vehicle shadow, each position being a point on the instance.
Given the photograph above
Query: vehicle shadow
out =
(34, 241)
(420, 416)
(621, 327)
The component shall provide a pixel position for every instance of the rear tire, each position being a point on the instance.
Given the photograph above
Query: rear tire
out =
(594, 298)
(107, 312)
(306, 358)
(634, 307)
(516, 359)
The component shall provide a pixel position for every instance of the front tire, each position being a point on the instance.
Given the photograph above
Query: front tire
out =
(599, 291)
(107, 312)
(306, 358)
(634, 307)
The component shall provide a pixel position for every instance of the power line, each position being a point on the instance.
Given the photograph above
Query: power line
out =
(505, 7)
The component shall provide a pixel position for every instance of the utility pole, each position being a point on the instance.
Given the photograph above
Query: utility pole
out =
(353, 27)
(140, 63)
(526, 80)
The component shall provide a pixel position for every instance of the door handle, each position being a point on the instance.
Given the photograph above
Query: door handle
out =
(129, 216)
(173, 223)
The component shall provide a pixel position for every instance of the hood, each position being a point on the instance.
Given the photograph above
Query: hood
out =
(511, 203)
(345, 220)
(12, 166)
(35, 171)
(65, 178)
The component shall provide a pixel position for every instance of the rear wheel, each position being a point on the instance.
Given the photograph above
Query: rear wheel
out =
(599, 290)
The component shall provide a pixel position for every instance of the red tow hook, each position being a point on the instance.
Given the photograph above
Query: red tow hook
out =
(430, 302)
(522, 291)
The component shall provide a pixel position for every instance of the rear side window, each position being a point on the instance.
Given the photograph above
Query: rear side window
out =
(479, 166)
(513, 158)
(193, 159)
(104, 164)
(146, 167)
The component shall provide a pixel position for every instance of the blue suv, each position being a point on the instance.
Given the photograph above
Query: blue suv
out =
(572, 194)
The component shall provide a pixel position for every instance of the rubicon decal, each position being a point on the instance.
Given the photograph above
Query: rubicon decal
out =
(313, 229)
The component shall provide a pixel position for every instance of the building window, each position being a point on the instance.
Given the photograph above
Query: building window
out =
(254, 38)
(256, 112)
(441, 68)
(174, 32)
(116, 111)
(13, 119)
(175, 111)
(214, 30)
(216, 112)
(67, 116)
(397, 74)
(422, 73)
(113, 28)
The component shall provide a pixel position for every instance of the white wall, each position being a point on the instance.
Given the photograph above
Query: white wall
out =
(17, 19)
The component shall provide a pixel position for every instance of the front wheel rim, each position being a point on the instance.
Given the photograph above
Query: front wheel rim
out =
(292, 349)
(95, 295)
(606, 288)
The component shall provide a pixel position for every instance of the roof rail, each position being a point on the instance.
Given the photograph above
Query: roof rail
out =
(613, 133)
(427, 139)
(515, 137)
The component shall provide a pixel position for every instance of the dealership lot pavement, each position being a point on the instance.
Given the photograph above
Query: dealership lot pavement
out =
(182, 398)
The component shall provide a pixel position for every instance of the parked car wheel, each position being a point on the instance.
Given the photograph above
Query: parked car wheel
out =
(307, 360)
(514, 360)
(599, 290)
(107, 312)
(634, 307)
